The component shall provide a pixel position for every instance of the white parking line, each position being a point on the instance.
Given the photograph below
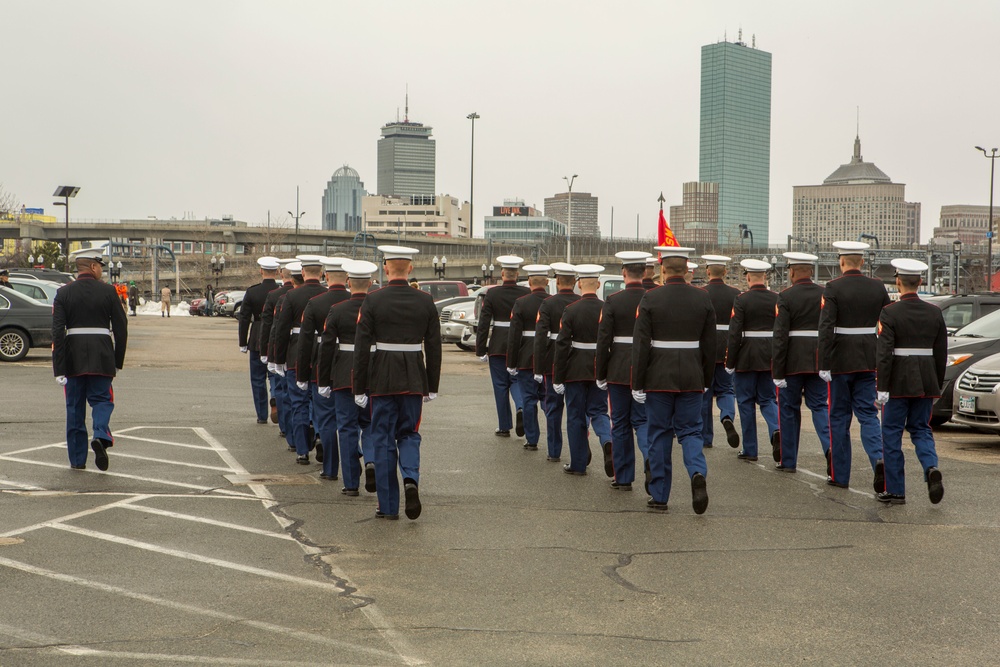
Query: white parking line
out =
(173, 463)
(196, 659)
(161, 442)
(52, 523)
(823, 477)
(211, 522)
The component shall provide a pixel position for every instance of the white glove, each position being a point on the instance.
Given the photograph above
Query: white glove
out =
(539, 379)
(280, 369)
(825, 376)
(244, 349)
(302, 385)
(781, 384)
(325, 392)
(559, 388)
(485, 357)
(430, 397)
(639, 396)
(704, 390)
(271, 367)
(513, 372)
(730, 370)
(882, 398)
(61, 380)
(361, 400)
(263, 360)
(602, 385)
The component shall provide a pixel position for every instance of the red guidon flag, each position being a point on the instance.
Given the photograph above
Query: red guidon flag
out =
(665, 235)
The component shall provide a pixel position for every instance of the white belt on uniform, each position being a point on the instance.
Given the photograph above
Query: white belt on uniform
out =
(346, 347)
(676, 344)
(854, 331)
(398, 347)
(913, 352)
(584, 346)
(722, 327)
(803, 333)
(624, 340)
(529, 334)
(296, 330)
(83, 331)
(553, 335)
(501, 324)
(758, 334)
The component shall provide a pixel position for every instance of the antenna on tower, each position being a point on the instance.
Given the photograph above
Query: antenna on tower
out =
(739, 38)
(753, 40)
(858, 127)
(406, 116)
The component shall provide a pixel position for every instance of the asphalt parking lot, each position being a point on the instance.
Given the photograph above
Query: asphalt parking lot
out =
(171, 558)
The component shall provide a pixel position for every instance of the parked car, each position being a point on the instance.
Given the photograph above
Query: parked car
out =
(24, 323)
(60, 277)
(230, 303)
(976, 401)
(454, 318)
(969, 345)
(962, 309)
(444, 289)
(198, 306)
(39, 290)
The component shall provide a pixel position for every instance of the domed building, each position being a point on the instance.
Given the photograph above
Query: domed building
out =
(342, 201)
(857, 199)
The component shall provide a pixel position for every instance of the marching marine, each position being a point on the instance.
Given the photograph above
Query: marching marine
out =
(521, 348)
(721, 389)
(279, 393)
(249, 335)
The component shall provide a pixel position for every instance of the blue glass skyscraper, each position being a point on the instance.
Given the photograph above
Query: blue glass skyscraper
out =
(736, 137)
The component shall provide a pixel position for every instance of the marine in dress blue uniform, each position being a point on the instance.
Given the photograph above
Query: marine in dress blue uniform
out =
(279, 392)
(574, 374)
(613, 369)
(286, 333)
(912, 352)
(89, 337)
(400, 324)
(721, 389)
(324, 414)
(852, 305)
(336, 364)
(249, 334)
(673, 358)
(748, 357)
(521, 349)
(795, 368)
(546, 330)
(491, 343)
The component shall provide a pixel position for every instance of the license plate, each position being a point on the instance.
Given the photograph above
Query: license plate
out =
(967, 404)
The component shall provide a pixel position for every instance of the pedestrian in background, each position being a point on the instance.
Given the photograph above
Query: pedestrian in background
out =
(165, 302)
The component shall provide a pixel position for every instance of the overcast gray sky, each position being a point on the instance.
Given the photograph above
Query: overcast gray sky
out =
(223, 107)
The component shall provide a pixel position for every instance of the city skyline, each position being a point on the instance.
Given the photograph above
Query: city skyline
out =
(234, 124)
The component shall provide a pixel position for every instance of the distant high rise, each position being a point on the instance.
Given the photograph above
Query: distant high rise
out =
(584, 222)
(736, 135)
(342, 201)
(406, 158)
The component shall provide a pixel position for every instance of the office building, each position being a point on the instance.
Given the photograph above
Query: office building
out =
(735, 147)
(857, 200)
(440, 215)
(584, 222)
(342, 201)
(516, 222)
(406, 159)
(966, 222)
(696, 221)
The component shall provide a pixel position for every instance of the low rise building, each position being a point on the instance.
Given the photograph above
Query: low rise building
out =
(440, 215)
(696, 221)
(516, 222)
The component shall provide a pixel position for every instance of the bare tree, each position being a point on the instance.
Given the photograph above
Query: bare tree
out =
(9, 204)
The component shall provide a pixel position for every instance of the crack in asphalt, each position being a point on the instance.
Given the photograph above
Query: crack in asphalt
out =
(550, 633)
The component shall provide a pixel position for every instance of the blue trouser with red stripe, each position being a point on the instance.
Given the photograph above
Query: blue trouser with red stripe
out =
(395, 424)
(755, 388)
(298, 417)
(853, 393)
(504, 389)
(626, 415)
(553, 406)
(790, 414)
(325, 424)
(667, 412)
(530, 394)
(81, 390)
(585, 403)
(913, 414)
(258, 385)
(354, 431)
(722, 390)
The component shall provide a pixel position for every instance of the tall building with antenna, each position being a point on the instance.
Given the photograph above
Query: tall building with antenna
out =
(735, 149)
(406, 158)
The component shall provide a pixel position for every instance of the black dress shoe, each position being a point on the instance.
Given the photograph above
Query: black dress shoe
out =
(649, 475)
(621, 487)
(707, 445)
(776, 446)
(879, 482)
(290, 448)
(553, 459)
(935, 487)
(570, 471)
(781, 468)
(609, 464)
(745, 457)
(519, 424)
(731, 435)
(370, 477)
(319, 452)
(274, 411)
(261, 421)
(890, 498)
(531, 447)
(79, 467)
(830, 482)
(826, 455)
(653, 505)
(302, 460)
(330, 478)
(281, 434)
(501, 434)
(699, 493)
(390, 517)
(349, 492)
(412, 496)
(590, 455)
(100, 456)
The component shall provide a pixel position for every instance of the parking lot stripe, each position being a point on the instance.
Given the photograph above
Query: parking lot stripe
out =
(211, 613)
(35, 449)
(211, 522)
(161, 442)
(173, 463)
(196, 659)
(76, 515)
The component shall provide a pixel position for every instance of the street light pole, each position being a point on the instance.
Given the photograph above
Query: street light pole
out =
(298, 214)
(992, 156)
(65, 191)
(569, 214)
(472, 172)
